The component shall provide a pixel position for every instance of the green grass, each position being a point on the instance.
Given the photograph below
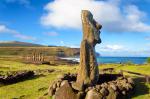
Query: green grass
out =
(37, 87)
(144, 69)
(29, 89)
(46, 51)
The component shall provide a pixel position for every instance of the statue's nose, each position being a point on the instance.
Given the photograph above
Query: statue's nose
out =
(98, 26)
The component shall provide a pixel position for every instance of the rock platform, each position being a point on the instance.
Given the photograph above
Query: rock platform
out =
(109, 86)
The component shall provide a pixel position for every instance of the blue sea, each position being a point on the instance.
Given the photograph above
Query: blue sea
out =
(135, 60)
(102, 60)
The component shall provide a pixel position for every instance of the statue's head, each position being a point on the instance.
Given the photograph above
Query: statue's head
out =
(91, 29)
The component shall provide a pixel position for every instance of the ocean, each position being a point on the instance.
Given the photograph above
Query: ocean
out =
(135, 60)
(101, 60)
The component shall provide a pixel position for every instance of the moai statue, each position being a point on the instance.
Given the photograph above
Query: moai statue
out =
(88, 71)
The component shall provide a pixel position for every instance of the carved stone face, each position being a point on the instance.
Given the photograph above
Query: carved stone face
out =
(97, 27)
(91, 28)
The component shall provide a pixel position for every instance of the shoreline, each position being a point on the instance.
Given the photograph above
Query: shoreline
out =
(113, 60)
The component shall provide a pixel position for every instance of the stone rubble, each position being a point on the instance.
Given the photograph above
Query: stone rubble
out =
(113, 89)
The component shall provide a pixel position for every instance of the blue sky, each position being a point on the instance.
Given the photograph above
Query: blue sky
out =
(125, 32)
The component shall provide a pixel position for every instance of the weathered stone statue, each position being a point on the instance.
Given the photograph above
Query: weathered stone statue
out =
(88, 72)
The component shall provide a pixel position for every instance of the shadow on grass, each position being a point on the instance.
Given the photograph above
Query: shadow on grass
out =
(21, 80)
(140, 87)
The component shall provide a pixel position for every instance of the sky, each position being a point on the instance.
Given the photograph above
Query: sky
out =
(125, 32)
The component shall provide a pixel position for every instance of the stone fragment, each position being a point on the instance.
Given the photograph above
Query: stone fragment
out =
(77, 86)
(98, 87)
(113, 86)
(130, 80)
(120, 87)
(54, 86)
(128, 87)
(112, 94)
(58, 84)
(104, 92)
(104, 85)
(124, 92)
(57, 89)
(51, 91)
(93, 94)
(63, 82)
(86, 90)
(65, 92)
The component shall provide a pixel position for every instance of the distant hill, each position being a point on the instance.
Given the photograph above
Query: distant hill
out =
(18, 44)
(24, 48)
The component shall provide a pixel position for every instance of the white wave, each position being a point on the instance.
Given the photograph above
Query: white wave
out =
(71, 58)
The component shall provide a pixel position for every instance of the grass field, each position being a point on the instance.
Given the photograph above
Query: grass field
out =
(46, 51)
(37, 87)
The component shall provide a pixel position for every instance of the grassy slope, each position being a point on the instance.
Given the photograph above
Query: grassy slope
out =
(47, 51)
(33, 88)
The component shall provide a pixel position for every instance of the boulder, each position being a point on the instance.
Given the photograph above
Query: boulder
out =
(112, 94)
(93, 94)
(77, 86)
(113, 86)
(105, 85)
(104, 91)
(66, 92)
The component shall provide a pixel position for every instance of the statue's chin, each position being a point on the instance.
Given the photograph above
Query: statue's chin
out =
(99, 41)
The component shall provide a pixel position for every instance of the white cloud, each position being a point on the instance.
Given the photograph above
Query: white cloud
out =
(122, 50)
(74, 46)
(62, 43)
(114, 47)
(111, 48)
(66, 14)
(53, 33)
(4, 29)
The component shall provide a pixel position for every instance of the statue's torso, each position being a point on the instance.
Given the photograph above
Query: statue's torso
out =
(88, 64)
